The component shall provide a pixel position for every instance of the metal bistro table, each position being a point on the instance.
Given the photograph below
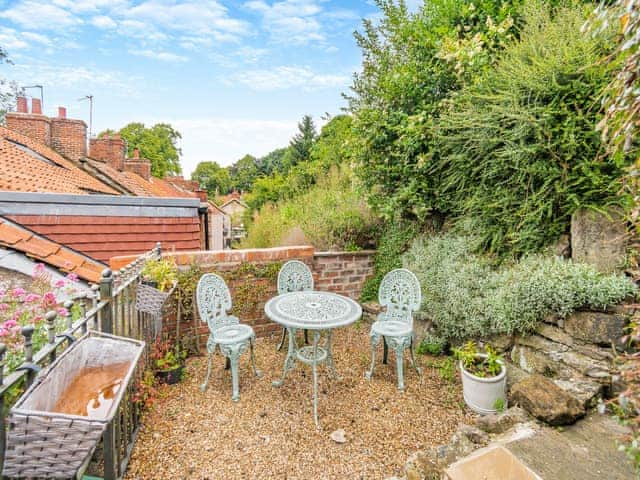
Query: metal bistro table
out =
(313, 311)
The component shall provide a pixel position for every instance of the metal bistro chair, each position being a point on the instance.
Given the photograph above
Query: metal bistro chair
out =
(400, 293)
(214, 301)
(294, 276)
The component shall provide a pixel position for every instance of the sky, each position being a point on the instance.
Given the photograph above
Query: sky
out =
(233, 77)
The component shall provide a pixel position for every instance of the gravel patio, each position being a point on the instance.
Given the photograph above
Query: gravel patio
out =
(270, 432)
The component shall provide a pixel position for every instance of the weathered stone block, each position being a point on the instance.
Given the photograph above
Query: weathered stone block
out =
(599, 239)
(596, 327)
(501, 422)
(546, 401)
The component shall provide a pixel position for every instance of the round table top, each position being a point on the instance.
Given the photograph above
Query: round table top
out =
(313, 310)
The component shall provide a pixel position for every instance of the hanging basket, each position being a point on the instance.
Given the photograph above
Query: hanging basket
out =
(42, 442)
(150, 300)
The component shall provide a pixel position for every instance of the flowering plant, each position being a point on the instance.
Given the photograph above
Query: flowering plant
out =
(166, 356)
(20, 308)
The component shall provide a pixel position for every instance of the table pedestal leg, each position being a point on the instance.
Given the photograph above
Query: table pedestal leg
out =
(330, 365)
(316, 339)
(290, 360)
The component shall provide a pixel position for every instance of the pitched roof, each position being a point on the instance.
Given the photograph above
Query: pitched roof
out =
(29, 166)
(47, 251)
(234, 200)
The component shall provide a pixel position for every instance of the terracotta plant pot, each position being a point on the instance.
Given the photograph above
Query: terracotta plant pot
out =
(170, 377)
(482, 393)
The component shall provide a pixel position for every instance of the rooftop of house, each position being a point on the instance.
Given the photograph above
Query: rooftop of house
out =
(29, 166)
(42, 249)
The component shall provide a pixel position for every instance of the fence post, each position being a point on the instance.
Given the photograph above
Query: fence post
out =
(159, 250)
(50, 318)
(27, 333)
(106, 325)
(106, 294)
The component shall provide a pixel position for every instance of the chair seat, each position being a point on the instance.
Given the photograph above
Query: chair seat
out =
(232, 334)
(391, 328)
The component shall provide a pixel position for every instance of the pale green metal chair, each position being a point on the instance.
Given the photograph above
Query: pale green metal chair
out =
(294, 276)
(225, 331)
(400, 295)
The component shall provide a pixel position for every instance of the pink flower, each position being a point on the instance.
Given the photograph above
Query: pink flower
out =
(9, 324)
(18, 292)
(32, 297)
(38, 270)
(3, 332)
(49, 299)
(72, 277)
(60, 283)
(4, 306)
(62, 311)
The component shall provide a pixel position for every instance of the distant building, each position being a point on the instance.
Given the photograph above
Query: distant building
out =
(95, 201)
(234, 208)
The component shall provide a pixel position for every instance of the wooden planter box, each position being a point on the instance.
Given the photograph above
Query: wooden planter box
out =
(44, 443)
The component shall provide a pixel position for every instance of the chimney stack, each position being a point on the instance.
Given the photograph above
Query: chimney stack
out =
(68, 136)
(36, 106)
(21, 105)
(110, 149)
(140, 166)
(33, 125)
(62, 112)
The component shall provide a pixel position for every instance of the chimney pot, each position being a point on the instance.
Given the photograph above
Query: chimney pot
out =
(62, 112)
(36, 106)
(21, 105)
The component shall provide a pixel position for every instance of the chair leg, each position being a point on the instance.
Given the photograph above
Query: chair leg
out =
(316, 339)
(374, 342)
(414, 364)
(203, 386)
(234, 357)
(256, 372)
(282, 339)
(385, 352)
(306, 337)
(227, 363)
(399, 366)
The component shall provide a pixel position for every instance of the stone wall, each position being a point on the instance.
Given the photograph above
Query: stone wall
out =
(252, 275)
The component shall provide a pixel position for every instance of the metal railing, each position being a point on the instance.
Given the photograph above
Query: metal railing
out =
(109, 308)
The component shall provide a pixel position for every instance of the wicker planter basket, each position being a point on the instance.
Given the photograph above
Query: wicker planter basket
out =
(43, 443)
(150, 300)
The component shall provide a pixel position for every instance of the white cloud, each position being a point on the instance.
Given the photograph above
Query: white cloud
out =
(41, 16)
(290, 21)
(36, 38)
(9, 40)
(225, 140)
(162, 56)
(102, 21)
(284, 77)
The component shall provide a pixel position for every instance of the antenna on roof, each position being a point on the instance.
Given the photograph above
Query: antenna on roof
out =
(41, 92)
(90, 98)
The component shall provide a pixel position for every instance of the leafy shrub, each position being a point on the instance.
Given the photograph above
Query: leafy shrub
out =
(432, 344)
(331, 216)
(393, 243)
(467, 297)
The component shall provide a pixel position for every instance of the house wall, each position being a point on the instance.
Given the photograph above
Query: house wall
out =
(252, 275)
(102, 226)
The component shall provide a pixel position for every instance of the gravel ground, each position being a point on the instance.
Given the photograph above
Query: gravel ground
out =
(270, 432)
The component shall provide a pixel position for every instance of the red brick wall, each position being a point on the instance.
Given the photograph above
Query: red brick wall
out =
(69, 138)
(36, 127)
(110, 149)
(340, 272)
(140, 166)
(104, 237)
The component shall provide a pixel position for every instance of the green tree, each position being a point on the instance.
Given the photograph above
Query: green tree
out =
(159, 144)
(9, 89)
(215, 179)
(273, 161)
(302, 141)
(244, 172)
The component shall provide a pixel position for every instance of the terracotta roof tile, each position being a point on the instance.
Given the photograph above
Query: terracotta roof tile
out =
(29, 166)
(47, 251)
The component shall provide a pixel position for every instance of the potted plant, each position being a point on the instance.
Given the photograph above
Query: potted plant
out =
(161, 274)
(168, 362)
(484, 378)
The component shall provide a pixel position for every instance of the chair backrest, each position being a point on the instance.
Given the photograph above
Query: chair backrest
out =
(214, 300)
(400, 293)
(294, 276)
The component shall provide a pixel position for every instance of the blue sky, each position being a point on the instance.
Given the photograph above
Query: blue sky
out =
(233, 77)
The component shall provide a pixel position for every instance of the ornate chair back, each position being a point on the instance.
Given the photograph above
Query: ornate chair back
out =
(214, 301)
(294, 276)
(400, 293)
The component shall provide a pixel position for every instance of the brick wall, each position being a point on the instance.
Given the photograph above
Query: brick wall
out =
(36, 127)
(69, 138)
(339, 272)
(109, 149)
(140, 166)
